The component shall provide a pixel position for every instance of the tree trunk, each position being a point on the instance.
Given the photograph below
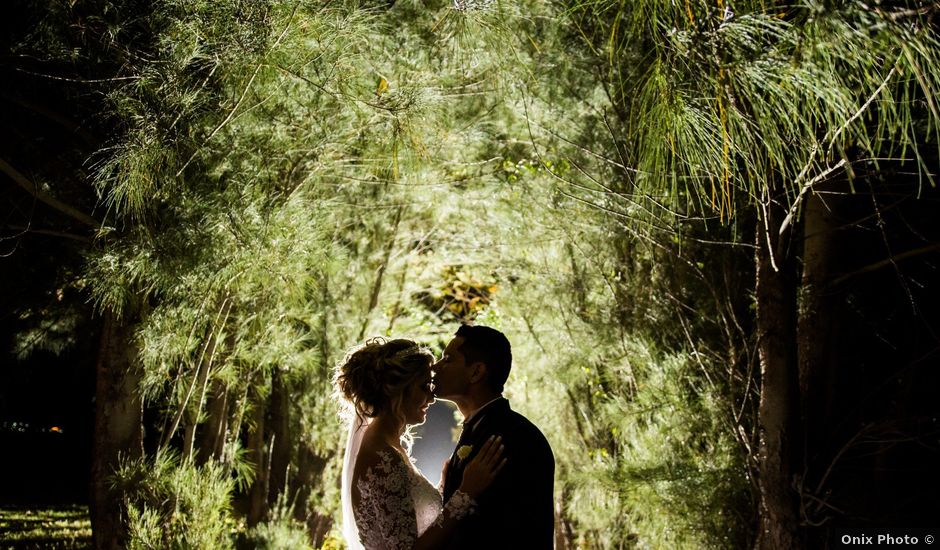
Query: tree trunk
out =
(194, 411)
(776, 304)
(220, 409)
(279, 417)
(815, 334)
(564, 528)
(310, 468)
(380, 273)
(212, 436)
(258, 455)
(118, 427)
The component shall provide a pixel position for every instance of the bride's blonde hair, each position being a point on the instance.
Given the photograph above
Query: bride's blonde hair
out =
(374, 377)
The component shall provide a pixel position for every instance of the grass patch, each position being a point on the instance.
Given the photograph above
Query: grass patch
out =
(58, 527)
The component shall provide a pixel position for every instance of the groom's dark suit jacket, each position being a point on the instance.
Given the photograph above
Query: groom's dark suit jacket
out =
(517, 510)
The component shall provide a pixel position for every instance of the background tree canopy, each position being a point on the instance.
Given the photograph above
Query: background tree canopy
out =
(708, 229)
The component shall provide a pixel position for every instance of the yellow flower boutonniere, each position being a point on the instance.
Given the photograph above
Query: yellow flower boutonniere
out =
(464, 451)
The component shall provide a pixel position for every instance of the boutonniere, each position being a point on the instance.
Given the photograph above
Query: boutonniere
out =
(464, 451)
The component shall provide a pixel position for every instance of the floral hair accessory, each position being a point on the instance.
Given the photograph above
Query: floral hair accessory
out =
(464, 451)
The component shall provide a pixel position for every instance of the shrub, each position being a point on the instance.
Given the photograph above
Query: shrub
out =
(175, 504)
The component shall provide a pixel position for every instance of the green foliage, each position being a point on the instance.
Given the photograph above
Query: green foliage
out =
(661, 456)
(713, 108)
(647, 450)
(250, 193)
(175, 504)
(280, 531)
(677, 113)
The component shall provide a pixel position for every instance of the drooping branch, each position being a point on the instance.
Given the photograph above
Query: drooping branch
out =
(832, 141)
(806, 187)
(51, 233)
(34, 190)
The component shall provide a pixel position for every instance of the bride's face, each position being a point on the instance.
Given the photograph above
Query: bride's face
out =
(417, 400)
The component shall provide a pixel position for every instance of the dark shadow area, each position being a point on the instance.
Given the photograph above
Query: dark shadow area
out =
(46, 421)
(48, 331)
(874, 434)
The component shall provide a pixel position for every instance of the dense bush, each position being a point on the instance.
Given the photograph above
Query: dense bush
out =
(176, 504)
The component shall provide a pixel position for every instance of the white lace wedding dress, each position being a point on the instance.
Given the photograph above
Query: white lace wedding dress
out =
(396, 502)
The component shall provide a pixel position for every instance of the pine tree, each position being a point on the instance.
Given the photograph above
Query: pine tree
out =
(746, 111)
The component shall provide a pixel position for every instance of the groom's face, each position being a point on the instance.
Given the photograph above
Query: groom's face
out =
(451, 375)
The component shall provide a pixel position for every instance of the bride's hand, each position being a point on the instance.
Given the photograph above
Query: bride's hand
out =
(483, 469)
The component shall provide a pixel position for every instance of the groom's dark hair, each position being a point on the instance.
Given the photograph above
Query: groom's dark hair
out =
(489, 346)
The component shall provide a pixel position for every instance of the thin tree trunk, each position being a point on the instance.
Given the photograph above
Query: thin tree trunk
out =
(189, 439)
(212, 436)
(118, 427)
(380, 273)
(279, 427)
(206, 362)
(396, 309)
(183, 408)
(815, 333)
(310, 468)
(235, 422)
(564, 529)
(776, 304)
(258, 455)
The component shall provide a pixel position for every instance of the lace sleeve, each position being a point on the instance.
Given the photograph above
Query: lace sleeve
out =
(458, 507)
(385, 512)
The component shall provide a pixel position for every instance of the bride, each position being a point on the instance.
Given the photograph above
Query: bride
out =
(387, 503)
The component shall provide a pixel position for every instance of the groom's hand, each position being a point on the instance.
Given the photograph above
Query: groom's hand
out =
(483, 469)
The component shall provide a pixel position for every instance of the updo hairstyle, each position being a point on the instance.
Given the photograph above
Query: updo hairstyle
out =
(375, 377)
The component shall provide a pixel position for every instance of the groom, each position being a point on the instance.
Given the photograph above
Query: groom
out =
(517, 510)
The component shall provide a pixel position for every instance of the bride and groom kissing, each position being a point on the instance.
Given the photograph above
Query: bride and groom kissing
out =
(496, 489)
